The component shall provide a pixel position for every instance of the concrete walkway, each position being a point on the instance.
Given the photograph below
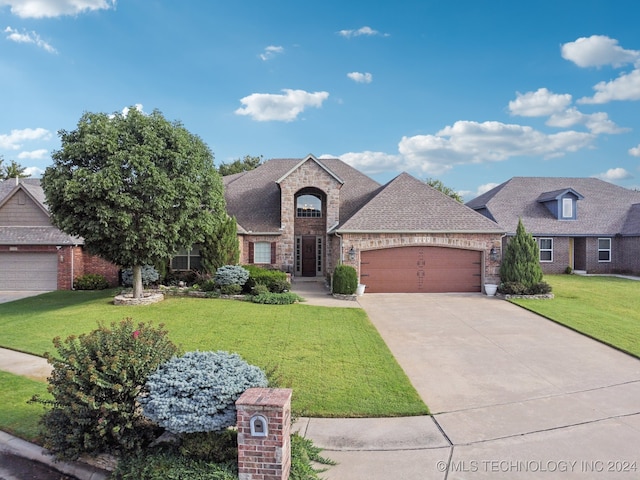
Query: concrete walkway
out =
(514, 396)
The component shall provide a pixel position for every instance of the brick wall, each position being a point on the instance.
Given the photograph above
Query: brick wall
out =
(309, 174)
(374, 241)
(265, 456)
(82, 264)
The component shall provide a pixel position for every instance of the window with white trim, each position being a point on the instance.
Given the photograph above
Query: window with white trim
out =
(604, 249)
(187, 260)
(546, 249)
(567, 208)
(262, 252)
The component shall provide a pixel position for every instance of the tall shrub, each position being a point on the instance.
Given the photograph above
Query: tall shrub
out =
(345, 280)
(221, 247)
(520, 261)
(95, 382)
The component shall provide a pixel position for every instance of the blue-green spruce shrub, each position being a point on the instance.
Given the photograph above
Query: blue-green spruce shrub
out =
(197, 392)
(231, 275)
(149, 275)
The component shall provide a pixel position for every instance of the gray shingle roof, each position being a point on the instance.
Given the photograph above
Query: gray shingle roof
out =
(404, 204)
(605, 209)
(26, 235)
(253, 197)
(36, 236)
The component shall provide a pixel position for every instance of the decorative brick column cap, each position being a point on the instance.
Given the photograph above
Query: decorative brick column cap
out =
(265, 397)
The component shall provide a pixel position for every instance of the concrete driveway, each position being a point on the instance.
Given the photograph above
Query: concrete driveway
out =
(515, 395)
(10, 296)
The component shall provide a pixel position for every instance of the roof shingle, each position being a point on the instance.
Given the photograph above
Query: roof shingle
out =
(605, 209)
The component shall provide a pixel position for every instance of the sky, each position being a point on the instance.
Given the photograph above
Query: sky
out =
(469, 92)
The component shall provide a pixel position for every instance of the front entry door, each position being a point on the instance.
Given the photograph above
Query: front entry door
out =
(308, 256)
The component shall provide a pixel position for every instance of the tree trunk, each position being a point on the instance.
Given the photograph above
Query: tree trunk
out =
(137, 282)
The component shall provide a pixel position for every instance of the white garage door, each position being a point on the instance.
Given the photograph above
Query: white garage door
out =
(28, 271)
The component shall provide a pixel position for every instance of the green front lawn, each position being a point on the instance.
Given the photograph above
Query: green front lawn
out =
(605, 308)
(16, 415)
(333, 358)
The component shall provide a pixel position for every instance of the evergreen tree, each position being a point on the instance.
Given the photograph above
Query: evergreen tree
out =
(240, 165)
(439, 185)
(13, 170)
(520, 260)
(221, 247)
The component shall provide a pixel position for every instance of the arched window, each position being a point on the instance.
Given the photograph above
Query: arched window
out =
(308, 206)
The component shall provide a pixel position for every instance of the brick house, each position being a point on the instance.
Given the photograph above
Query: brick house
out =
(305, 216)
(35, 255)
(584, 223)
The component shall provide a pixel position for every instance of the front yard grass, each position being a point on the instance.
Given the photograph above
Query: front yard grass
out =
(604, 308)
(333, 358)
(16, 415)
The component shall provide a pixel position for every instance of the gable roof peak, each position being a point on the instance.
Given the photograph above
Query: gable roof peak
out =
(557, 194)
(312, 158)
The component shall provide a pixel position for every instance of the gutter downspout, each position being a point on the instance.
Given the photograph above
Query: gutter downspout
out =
(72, 266)
(341, 254)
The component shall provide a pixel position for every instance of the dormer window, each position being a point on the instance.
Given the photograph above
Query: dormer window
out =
(308, 206)
(561, 203)
(567, 207)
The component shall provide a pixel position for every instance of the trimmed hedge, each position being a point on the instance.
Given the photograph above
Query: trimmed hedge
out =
(90, 281)
(274, 280)
(345, 280)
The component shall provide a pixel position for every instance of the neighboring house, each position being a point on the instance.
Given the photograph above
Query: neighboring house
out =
(305, 216)
(583, 223)
(35, 255)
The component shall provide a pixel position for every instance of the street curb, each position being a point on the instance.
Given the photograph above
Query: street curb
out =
(31, 451)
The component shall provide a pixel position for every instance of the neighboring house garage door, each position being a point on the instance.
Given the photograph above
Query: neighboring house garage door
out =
(421, 270)
(28, 271)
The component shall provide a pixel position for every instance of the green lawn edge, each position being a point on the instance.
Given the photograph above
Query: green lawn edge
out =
(333, 358)
(603, 308)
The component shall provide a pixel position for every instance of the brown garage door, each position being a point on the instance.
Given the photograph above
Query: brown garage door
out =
(421, 270)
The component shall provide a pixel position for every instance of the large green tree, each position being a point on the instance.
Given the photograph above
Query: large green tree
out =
(240, 165)
(136, 187)
(439, 185)
(520, 261)
(13, 170)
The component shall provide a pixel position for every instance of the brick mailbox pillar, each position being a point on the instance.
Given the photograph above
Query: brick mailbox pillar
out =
(264, 434)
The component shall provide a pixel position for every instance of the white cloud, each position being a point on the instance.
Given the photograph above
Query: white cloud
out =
(33, 172)
(468, 194)
(28, 37)
(635, 151)
(366, 31)
(360, 77)
(485, 188)
(372, 162)
(598, 123)
(34, 154)
(625, 87)
(470, 142)
(270, 52)
(598, 50)
(16, 138)
(265, 107)
(137, 106)
(614, 174)
(55, 8)
(539, 103)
